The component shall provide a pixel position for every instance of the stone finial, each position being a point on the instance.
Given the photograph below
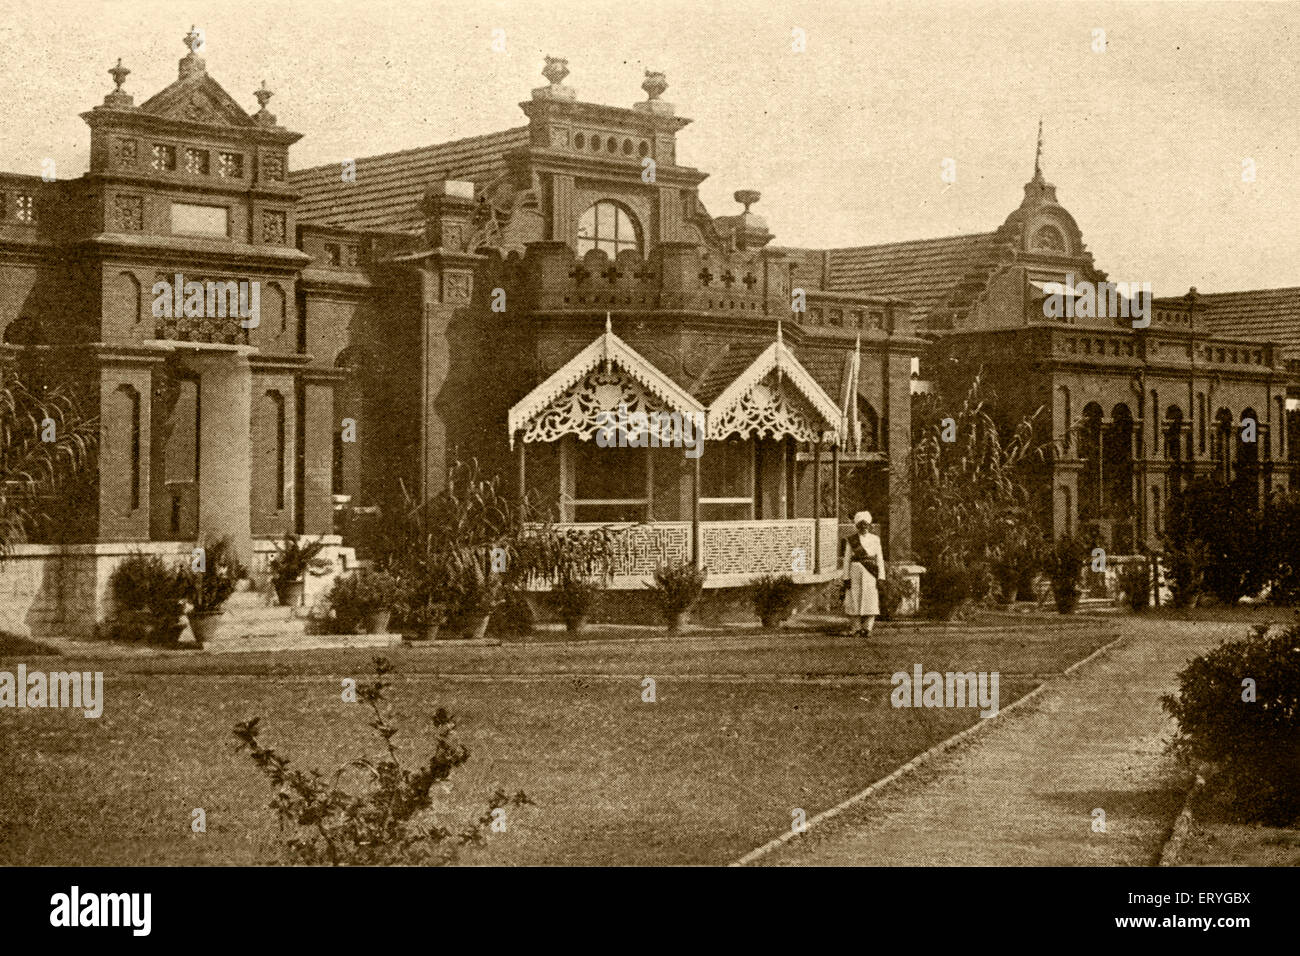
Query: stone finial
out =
(263, 115)
(192, 62)
(654, 84)
(556, 69)
(119, 98)
(747, 197)
(119, 73)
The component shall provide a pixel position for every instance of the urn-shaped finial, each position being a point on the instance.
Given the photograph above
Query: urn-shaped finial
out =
(654, 84)
(263, 95)
(556, 69)
(747, 197)
(119, 74)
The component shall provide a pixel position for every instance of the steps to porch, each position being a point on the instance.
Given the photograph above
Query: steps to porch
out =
(253, 623)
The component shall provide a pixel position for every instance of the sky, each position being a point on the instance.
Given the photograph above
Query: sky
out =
(1150, 135)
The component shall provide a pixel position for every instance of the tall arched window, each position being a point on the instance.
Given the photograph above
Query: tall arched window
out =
(609, 227)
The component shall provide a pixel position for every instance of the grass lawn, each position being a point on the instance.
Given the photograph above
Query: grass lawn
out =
(746, 728)
(1217, 839)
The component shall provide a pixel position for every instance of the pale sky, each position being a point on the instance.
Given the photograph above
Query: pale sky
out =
(1145, 141)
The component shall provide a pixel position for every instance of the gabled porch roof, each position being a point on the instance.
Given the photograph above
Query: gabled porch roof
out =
(571, 399)
(610, 351)
(777, 357)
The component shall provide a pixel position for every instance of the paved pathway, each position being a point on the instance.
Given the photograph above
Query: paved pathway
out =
(1022, 791)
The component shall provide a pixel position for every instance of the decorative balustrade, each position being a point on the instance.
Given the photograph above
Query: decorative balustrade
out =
(735, 552)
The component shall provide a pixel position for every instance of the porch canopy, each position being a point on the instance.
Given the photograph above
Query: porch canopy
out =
(755, 417)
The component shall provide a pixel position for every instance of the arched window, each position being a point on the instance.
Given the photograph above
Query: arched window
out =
(609, 227)
(1049, 238)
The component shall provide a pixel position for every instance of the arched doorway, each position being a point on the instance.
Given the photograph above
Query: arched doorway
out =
(1117, 472)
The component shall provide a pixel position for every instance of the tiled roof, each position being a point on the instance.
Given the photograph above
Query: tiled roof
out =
(922, 271)
(1266, 315)
(827, 366)
(388, 188)
(725, 369)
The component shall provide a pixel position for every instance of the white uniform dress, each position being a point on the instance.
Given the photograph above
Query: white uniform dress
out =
(862, 597)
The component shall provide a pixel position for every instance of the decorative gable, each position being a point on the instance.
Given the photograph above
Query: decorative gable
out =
(604, 376)
(775, 397)
(197, 98)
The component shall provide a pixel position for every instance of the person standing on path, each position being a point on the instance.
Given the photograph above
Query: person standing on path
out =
(864, 565)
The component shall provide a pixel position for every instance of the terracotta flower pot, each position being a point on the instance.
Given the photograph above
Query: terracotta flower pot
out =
(376, 622)
(206, 625)
(576, 624)
(476, 626)
(291, 593)
(675, 621)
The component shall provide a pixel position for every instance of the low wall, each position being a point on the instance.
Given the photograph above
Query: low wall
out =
(62, 590)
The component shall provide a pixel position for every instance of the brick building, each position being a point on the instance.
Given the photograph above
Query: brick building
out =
(493, 297)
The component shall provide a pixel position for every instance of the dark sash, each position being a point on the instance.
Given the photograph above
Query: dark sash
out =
(859, 554)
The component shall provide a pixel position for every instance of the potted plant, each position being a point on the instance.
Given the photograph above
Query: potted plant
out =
(479, 588)
(774, 598)
(677, 585)
(365, 600)
(147, 602)
(573, 598)
(427, 619)
(206, 583)
(294, 558)
(1065, 567)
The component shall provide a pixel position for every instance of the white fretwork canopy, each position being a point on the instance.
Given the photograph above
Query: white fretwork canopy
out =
(776, 397)
(606, 375)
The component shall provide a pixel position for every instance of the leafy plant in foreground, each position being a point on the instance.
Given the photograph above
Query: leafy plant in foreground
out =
(372, 811)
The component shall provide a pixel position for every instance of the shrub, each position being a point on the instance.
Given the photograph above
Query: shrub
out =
(359, 594)
(573, 599)
(40, 471)
(893, 592)
(148, 601)
(774, 598)
(372, 811)
(1134, 581)
(974, 518)
(207, 589)
(1065, 568)
(443, 548)
(294, 558)
(1187, 572)
(1225, 520)
(1015, 568)
(677, 585)
(1282, 518)
(1253, 742)
(947, 591)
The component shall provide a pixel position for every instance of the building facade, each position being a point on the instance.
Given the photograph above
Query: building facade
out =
(277, 351)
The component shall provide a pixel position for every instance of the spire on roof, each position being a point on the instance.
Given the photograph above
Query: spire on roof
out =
(1038, 156)
(1038, 190)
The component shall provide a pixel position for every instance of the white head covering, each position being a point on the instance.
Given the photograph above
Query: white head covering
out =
(862, 516)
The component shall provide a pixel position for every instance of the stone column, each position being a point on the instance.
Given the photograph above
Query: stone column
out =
(225, 446)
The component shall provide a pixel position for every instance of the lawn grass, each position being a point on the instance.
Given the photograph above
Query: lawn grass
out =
(745, 729)
(1218, 838)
